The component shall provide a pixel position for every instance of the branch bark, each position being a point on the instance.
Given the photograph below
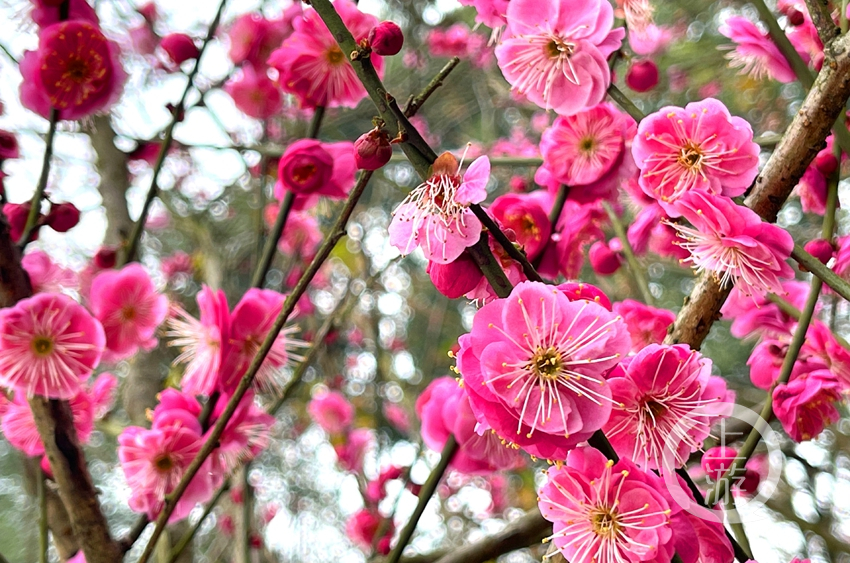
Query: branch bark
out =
(525, 531)
(801, 142)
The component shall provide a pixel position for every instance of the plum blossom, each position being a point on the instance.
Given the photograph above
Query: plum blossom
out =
(555, 52)
(436, 214)
(734, 243)
(755, 315)
(313, 68)
(698, 147)
(127, 304)
(577, 228)
(444, 409)
(647, 324)
(754, 52)
(605, 512)
(49, 345)
(534, 367)
(664, 397)
(254, 93)
(45, 275)
(332, 411)
(806, 405)
(525, 216)
(19, 427)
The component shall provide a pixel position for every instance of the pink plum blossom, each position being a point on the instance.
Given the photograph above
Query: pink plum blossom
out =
(647, 324)
(605, 512)
(754, 52)
(130, 309)
(332, 411)
(253, 37)
(45, 275)
(444, 409)
(755, 315)
(310, 168)
(436, 214)
(698, 147)
(254, 93)
(362, 527)
(576, 229)
(313, 68)
(456, 278)
(19, 427)
(534, 367)
(527, 218)
(734, 243)
(247, 433)
(806, 405)
(665, 401)
(352, 451)
(49, 345)
(555, 52)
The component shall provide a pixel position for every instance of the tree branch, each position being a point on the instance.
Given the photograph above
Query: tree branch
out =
(521, 533)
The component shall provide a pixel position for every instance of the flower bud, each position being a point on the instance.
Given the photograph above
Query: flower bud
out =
(642, 76)
(717, 461)
(105, 257)
(603, 260)
(16, 214)
(825, 162)
(8, 145)
(820, 249)
(179, 47)
(372, 150)
(62, 217)
(455, 278)
(750, 483)
(386, 39)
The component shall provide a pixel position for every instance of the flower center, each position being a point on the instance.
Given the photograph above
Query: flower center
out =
(163, 463)
(77, 70)
(42, 345)
(128, 313)
(691, 157)
(547, 363)
(302, 174)
(334, 55)
(558, 48)
(654, 409)
(603, 522)
(586, 145)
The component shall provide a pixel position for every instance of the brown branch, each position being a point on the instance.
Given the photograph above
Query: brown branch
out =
(801, 142)
(822, 19)
(525, 531)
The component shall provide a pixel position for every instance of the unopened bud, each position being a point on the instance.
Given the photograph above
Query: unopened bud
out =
(372, 150)
(62, 217)
(179, 47)
(386, 39)
(642, 76)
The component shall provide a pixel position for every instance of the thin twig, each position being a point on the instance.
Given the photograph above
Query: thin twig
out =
(130, 250)
(624, 102)
(414, 103)
(819, 270)
(189, 535)
(634, 266)
(35, 203)
(41, 489)
(509, 247)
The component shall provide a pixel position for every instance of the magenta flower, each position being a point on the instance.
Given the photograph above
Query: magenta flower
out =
(76, 70)
(754, 52)
(534, 367)
(701, 147)
(734, 243)
(127, 304)
(606, 513)
(310, 168)
(647, 325)
(254, 93)
(665, 401)
(806, 405)
(201, 341)
(246, 435)
(19, 428)
(577, 228)
(253, 38)
(313, 68)
(45, 275)
(155, 460)
(436, 214)
(587, 150)
(822, 345)
(526, 217)
(755, 315)
(332, 411)
(444, 409)
(489, 12)
(555, 52)
(351, 453)
(49, 345)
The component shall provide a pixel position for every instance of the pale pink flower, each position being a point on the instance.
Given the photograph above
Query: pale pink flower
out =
(806, 405)
(754, 52)
(555, 52)
(201, 341)
(734, 243)
(49, 345)
(701, 147)
(652, 40)
(313, 67)
(606, 513)
(755, 315)
(436, 214)
(45, 275)
(647, 324)
(254, 93)
(302, 235)
(332, 411)
(526, 217)
(665, 401)
(489, 12)
(587, 150)
(19, 427)
(534, 367)
(130, 309)
(444, 409)
(246, 435)
(460, 41)
(154, 461)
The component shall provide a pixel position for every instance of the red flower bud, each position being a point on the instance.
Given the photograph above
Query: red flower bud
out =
(386, 39)
(16, 214)
(820, 249)
(642, 76)
(825, 162)
(603, 260)
(62, 217)
(372, 150)
(795, 16)
(179, 47)
(750, 483)
(455, 278)
(717, 461)
(105, 257)
(8, 145)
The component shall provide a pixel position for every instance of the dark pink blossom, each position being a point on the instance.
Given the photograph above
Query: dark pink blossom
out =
(555, 52)
(755, 315)
(254, 93)
(310, 168)
(253, 38)
(576, 229)
(647, 324)
(525, 215)
(806, 405)
(754, 52)
(642, 75)
(386, 39)
(178, 48)
(332, 411)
